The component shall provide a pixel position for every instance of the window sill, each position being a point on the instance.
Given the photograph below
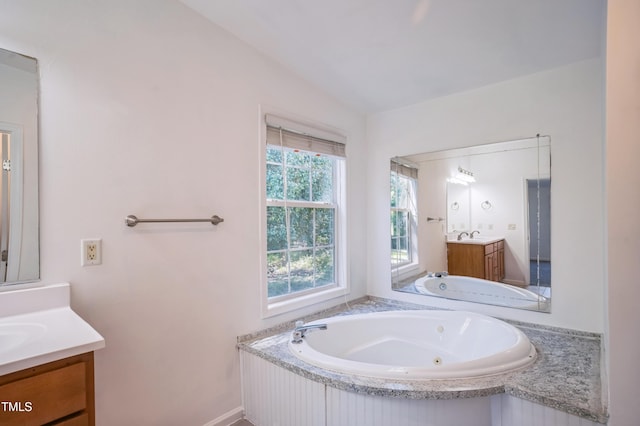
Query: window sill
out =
(406, 271)
(281, 307)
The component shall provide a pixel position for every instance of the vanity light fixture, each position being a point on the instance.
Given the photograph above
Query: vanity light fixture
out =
(463, 177)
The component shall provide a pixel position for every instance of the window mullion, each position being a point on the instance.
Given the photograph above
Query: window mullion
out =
(287, 219)
(313, 242)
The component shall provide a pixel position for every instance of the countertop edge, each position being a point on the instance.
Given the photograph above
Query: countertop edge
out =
(67, 334)
(35, 361)
(599, 417)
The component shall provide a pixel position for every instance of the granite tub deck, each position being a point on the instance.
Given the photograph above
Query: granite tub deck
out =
(565, 376)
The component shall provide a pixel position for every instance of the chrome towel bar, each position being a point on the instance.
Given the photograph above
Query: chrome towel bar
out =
(132, 220)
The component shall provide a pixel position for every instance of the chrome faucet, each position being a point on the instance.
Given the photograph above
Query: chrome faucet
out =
(300, 331)
(471, 236)
(461, 234)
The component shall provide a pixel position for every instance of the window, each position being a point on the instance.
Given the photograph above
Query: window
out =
(304, 187)
(403, 215)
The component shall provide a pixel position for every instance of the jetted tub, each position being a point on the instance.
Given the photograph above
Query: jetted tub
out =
(482, 291)
(416, 345)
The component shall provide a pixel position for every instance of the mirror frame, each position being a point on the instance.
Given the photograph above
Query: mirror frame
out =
(21, 128)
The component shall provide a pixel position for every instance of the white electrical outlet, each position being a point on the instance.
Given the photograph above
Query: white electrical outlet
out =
(91, 252)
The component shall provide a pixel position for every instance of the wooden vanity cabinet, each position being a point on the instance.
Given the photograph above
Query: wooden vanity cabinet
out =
(484, 261)
(59, 393)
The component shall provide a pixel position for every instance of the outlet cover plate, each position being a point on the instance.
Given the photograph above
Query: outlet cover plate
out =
(91, 251)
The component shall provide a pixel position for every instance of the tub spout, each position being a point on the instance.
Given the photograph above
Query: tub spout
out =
(300, 331)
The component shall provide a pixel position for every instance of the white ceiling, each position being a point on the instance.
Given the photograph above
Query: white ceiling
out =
(378, 55)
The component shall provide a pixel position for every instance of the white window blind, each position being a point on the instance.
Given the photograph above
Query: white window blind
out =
(404, 169)
(298, 136)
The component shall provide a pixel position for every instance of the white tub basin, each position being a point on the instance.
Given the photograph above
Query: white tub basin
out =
(416, 345)
(477, 290)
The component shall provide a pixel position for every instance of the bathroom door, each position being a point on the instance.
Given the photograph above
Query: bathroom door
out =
(539, 200)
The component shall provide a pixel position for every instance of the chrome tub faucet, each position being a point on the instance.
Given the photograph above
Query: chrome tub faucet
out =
(301, 329)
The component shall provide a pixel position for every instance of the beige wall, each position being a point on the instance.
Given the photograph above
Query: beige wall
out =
(623, 203)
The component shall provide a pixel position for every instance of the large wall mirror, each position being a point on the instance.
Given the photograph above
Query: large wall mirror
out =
(19, 234)
(474, 223)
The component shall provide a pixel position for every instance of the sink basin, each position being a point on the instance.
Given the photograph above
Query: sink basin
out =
(14, 335)
(482, 239)
(38, 326)
(475, 240)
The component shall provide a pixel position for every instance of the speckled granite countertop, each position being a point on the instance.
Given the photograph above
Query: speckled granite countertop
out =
(566, 375)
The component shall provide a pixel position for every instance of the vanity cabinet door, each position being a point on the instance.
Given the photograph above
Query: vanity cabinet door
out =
(491, 270)
(489, 266)
(466, 259)
(57, 393)
(484, 261)
(500, 256)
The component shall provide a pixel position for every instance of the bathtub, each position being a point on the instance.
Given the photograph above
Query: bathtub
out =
(416, 345)
(482, 291)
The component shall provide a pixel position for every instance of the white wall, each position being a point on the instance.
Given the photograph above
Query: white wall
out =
(148, 109)
(565, 103)
(623, 202)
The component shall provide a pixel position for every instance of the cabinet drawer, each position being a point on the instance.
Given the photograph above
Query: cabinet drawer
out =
(489, 248)
(51, 396)
(79, 420)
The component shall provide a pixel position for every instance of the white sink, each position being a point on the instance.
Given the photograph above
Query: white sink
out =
(474, 240)
(38, 326)
(13, 335)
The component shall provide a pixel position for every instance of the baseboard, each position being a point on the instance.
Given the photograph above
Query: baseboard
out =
(517, 283)
(227, 418)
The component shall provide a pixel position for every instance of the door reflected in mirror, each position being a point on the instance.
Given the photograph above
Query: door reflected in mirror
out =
(19, 235)
(473, 223)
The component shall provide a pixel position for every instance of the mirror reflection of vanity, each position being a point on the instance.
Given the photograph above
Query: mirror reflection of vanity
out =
(473, 223)
(19, 235)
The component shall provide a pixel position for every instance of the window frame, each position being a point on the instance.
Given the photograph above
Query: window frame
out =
(276, 305)
(408, 236)
(409, 266)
